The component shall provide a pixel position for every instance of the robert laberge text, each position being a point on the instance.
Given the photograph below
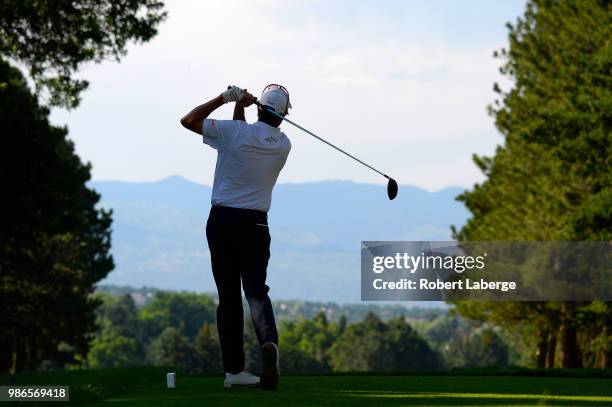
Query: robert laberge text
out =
(424, 284)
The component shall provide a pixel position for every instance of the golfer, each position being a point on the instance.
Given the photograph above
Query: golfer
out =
(249, 159)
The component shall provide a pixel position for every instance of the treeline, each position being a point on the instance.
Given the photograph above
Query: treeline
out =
(300, 309)
(178, 328)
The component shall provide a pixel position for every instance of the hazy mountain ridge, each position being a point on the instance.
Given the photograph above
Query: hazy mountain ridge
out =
(159, 240)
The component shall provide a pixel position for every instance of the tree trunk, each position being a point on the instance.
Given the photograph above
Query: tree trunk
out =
(5, 357)
(569, 340)
(20, 360)
(29, 360)
(542, 349)
(13, 368)
(552, 347)
(606, 358)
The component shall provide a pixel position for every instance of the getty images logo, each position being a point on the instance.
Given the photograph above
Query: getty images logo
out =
(424, 262)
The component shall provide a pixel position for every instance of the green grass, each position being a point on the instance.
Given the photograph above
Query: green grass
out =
(90, 385)
(146, 387)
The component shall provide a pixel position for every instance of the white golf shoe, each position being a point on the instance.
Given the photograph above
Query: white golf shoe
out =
(242, 379)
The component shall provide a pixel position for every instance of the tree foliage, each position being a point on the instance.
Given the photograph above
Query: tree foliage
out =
(373, 345)
(306, 345)
(476, 348)
(173, 309)
(112, 349)
(54, 241)
(552, 178)
(171, 348)
(54, 39)
(116, 342)
(314, 337)
(207, 351)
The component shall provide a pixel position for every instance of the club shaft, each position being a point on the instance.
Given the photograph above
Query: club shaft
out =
(321, 139)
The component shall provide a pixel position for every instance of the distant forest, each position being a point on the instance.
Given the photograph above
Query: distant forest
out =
(298, 309)
(156, 327)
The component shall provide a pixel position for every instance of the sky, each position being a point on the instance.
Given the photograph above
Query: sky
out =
(403, 85)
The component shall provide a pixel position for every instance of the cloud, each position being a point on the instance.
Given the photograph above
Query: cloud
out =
(358, 75)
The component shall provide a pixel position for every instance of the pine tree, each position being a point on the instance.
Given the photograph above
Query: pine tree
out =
(172, 348)
(54, 241)
(207, 351)
(552, 179)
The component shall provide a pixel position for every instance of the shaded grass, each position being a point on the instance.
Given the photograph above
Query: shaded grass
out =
(380, 390)
(146, 387)
(92, 384)
(482, 371)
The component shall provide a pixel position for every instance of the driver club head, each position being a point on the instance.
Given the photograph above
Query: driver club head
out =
(392, 189)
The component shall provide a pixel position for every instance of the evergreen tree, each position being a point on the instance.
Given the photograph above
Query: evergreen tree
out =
(362, 347)
(373, 345)
(476, 348)
(552, 178)
(410, 350)
(312, 336)
(207, 351)
(54, 241)
(118, 312)
(172, 348)
(342, 323)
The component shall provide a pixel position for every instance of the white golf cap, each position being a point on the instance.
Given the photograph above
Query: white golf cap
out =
(276, 97)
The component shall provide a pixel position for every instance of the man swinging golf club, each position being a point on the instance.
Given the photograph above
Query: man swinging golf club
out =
(249, 159)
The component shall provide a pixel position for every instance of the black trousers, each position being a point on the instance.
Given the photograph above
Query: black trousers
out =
(239, 243)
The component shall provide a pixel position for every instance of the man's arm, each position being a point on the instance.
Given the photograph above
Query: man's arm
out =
(193, 120)
(246, 101)
(239, 113)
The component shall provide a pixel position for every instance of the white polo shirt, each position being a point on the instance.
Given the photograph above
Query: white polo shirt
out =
(249, 159)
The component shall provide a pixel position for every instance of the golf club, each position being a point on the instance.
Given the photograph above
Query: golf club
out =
(391, 184)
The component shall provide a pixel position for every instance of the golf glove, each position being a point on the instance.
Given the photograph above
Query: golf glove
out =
(233, 94)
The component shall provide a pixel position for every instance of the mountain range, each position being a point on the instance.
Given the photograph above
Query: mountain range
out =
(159, 233)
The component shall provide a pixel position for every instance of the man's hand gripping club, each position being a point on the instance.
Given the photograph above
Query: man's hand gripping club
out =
(193, 120)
